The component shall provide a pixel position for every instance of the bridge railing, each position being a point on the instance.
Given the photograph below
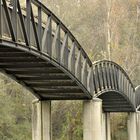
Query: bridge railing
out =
(137, 94)
(36, 27)
(109, 76)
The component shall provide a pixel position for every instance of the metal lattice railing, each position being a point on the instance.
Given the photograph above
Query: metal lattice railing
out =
(110, 76)
(137, 92)
(44, 32)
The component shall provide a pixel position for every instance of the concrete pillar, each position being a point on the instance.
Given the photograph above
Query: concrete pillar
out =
(138, 125)
(108, 130)
(132, 132)
(103, 126)
(41, 120)
(92, 119)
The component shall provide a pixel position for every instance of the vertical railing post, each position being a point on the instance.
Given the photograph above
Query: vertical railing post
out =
(100, 77)
(28, 16)
(108, 75)
(8, 17)
(84, 73)
(91, 86)
(40, 25)
(64, 51)
(71, 61)
(56, 45)
(114, 77)
(78, 65)
(104, 75)
(111, 76)
(14, 17)
(96, 78)
(47, 37)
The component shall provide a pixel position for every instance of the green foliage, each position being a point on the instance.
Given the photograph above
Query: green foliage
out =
(119, 126)
(66, 118)
(15, 111)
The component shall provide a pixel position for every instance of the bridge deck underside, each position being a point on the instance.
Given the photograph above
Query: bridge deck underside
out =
(44, 79)
(114, 102)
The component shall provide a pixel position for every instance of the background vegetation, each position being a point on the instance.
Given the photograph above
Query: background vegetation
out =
(106, 29)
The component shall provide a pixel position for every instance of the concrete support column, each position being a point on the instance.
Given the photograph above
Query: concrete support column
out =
(138, 125)
(108, 130)
(103, 126)
(132, 130)
(92, 119)
(41, 120)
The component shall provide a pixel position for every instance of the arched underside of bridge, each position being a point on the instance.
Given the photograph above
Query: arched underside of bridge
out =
(40, 53)
(45, 78)
(114, 101)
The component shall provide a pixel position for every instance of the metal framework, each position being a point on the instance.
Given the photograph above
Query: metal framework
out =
(112, 84)
(39, 52)
(137, 94)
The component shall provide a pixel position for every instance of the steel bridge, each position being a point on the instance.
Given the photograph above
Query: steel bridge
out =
(38, 51)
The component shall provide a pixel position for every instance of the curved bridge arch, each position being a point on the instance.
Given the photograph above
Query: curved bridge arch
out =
(113, 86)
(38, 51)
(43, 55)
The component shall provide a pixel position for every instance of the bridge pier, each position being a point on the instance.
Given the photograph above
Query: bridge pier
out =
(41, 120)
(106, 132)
(132, 130)
(103, 126)
(92, 119)
(138, 125)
